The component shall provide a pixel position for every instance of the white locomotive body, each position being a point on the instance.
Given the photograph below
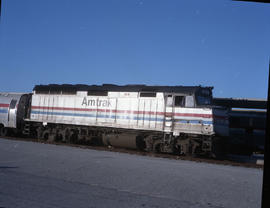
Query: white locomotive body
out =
(159, 118)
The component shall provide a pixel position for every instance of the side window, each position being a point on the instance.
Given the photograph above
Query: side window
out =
(179, 101)
(169, 101)
(148, 94)
(97, 93)
(189, 101)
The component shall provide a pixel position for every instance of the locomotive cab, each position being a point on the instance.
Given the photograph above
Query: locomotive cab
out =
(194, 123)
(189, 112)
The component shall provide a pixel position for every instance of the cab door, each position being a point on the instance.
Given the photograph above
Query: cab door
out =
(12, 114)
(175, 104)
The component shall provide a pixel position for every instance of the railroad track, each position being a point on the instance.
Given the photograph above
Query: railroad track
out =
(225, 161)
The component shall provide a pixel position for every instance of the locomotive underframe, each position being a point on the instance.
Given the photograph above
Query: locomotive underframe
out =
(151, 141)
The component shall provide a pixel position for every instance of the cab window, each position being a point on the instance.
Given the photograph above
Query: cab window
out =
(179, 101)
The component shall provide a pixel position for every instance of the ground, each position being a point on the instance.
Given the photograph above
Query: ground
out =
(43, 175)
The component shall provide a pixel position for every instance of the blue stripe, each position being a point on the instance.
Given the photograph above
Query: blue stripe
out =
(97, 115)
(3, 111)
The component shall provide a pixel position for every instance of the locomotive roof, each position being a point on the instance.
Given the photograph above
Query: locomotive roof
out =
(117, 88)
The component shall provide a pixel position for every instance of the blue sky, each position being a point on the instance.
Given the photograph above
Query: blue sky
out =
(217, 43)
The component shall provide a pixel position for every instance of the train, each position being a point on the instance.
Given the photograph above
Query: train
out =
(247, 124)
(167, 119)
(247, 131)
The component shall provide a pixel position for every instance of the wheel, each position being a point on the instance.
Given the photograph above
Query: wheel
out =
(3, 131)
(45, 136)
(157, 146)
(74, 137)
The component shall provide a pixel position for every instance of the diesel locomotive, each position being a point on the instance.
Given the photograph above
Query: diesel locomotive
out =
(171, 119)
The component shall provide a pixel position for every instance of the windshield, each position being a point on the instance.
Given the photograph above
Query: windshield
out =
(203, 100)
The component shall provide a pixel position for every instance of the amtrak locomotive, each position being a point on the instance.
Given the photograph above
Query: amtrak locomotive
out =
(173, 119)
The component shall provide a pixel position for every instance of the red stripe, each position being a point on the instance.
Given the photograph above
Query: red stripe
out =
(194, 115)
(125, 111)
(3, 105)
